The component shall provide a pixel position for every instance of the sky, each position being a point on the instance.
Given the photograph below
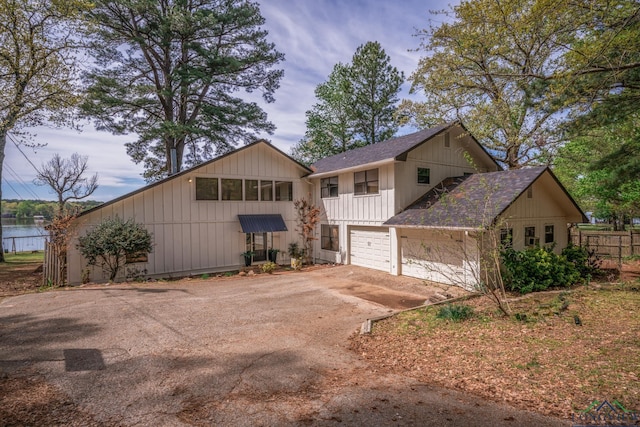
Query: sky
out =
(314, 35)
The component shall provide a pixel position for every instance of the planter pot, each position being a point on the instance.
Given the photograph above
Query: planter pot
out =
(247, 261)
(273, 256)
(296, 263)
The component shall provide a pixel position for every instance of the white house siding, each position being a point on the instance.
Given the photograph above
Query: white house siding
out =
(358, 210)
(442, 162)
(442, 256)
(547, 206)
(189, 236)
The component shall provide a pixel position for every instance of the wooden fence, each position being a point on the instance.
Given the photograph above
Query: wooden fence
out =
(614, 245)
(53, 268)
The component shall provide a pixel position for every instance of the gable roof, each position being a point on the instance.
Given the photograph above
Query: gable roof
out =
(190, 170)
(385, 151)
(472, 202)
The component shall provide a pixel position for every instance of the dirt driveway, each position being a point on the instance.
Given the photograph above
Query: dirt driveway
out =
(262, 350)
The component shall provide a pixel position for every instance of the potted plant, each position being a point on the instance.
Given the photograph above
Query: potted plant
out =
(248, 256)
(273, 255)
(296, 255)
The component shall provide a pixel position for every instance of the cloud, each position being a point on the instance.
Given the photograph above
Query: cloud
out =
(313, 35)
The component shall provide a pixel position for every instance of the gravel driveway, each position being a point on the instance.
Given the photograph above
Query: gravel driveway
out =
(261, 350)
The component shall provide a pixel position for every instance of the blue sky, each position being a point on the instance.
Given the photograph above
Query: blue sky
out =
(314, 35)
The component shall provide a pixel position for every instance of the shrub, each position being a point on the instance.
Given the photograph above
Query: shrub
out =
(585, 260)
(455, 312)
(268, 267)
(111, 241)
(537, 269)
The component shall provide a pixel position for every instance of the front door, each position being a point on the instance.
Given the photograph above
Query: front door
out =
(257, 243)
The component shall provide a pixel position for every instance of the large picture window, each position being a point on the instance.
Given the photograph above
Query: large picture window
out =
(206, 188)
(231, 189)
(366, 182)
(329, 187)
(266, 191)
(329, 237)
(284, 191)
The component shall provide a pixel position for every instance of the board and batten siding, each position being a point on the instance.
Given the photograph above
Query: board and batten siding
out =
(193, 237)
(350, 209)
(443, 162)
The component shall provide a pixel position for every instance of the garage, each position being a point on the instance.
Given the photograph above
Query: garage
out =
(445, 257)
(370, 247)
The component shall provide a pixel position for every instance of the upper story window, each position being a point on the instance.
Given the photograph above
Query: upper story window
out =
(206, 188)
(266, 191)
(231, 189)
(366, 182)
(251, 189)
(447, 140)
(424, 175)
(329, 187)
(284, 191)
(530, 192)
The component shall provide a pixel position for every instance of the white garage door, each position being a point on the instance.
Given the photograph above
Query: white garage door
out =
(434, 256)
(371, 248)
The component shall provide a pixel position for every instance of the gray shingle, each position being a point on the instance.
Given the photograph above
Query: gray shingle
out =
(389, 149)
(468, 202)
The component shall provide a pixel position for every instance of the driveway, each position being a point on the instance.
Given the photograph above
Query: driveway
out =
(261, 350)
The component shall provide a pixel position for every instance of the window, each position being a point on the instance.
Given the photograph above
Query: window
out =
(447, 140)
(206, 188)
(366, 182)
(231, 189)
(266, 190)
(530, 237)
(329, 237)
(530, 193)
(423, 175)
(548, 234)
(284, 191)
(329, 187)
(506, 237)
(251, 189)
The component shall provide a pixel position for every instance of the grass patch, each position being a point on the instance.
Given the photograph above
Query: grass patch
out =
(539, 359)
(455, 312)
(21, 258)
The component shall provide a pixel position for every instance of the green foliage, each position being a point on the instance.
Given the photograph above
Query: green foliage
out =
(585, 260)
(111, 241)
(268, 267)
(355, 107)
(455, 312)
(42, 207)
(601, 169)
(167, 70)
(537, 269)
(294, 250)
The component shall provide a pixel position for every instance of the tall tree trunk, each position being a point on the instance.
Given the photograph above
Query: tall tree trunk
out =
(3, 143)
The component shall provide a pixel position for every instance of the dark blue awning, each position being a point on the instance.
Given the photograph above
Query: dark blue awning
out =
(262, 223)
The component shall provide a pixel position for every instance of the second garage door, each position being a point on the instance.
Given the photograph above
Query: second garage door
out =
(370, 247)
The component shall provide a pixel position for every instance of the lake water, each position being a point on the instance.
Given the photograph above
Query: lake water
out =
(22, 235)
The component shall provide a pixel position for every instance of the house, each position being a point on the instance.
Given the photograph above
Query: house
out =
(412, 205)
(203, 219)
(384, 206)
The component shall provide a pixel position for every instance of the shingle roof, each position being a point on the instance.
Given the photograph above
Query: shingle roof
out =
(389, 149)
(468, 202)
